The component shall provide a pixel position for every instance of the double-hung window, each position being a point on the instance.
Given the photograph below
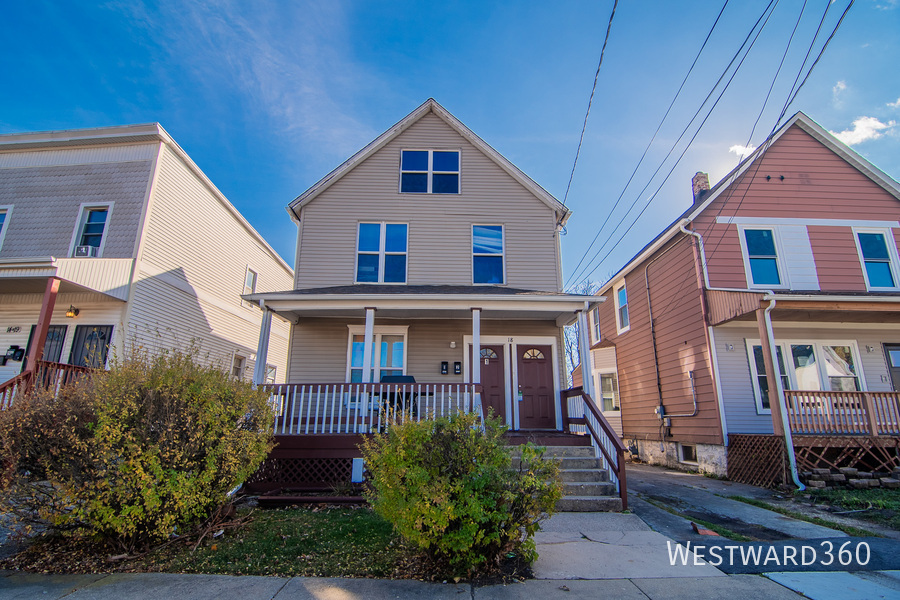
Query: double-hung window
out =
(623, 323)
(758, 370)
(595, 320)
(878, 254)
(388, 353)
(761, 253)
(90, 232)
(249, 285)
(487, 255)
(609, 392)
(381, 250)
(429, 171)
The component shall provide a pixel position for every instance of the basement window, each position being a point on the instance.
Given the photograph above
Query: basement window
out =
(687, 453)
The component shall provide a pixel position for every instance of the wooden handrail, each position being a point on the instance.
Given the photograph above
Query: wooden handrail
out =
(617, 464)
(843, 413)
(48, 374)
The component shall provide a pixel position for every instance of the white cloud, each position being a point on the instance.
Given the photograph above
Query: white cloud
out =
(286, 64)
(894, 104)
(864, 129)
(742, 151)
(837, 90)
(888, 5)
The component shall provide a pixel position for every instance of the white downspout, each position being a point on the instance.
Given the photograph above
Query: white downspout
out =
(779, 388)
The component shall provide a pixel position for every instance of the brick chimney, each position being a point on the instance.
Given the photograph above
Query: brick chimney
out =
(700, 184)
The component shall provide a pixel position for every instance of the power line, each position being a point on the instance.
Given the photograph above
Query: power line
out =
(590, 100)
(765, 15)
(652, 139)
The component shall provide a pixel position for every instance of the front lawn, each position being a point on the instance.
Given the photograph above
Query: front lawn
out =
(308, 541)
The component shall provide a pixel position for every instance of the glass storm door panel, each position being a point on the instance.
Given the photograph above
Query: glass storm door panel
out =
(90, 346)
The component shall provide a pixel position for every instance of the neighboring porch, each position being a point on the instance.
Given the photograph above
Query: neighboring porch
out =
(823, 370)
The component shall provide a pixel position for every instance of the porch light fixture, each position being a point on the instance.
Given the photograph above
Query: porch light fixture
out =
(72, 312)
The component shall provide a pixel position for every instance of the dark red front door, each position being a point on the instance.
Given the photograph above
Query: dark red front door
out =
(494, 395)
(535, 371)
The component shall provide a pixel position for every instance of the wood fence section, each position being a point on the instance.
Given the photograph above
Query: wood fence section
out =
(758, 460)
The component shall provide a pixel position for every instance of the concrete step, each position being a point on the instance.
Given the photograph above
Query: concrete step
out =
(588, 489)
(561, 451)
(589, 504)
(584, 475)
(568, 463)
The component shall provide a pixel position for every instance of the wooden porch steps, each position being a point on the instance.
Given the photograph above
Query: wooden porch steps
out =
(586, 484)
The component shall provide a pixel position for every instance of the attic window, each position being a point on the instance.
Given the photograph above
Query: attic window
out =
(429, 171)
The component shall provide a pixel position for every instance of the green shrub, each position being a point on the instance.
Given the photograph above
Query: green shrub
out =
(449, 488)
(136, 453)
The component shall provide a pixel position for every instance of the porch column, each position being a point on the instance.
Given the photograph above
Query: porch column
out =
(773, 374)
(43, 325)
(367, 348)
(262, 350)
(476, 345)
(584, 354)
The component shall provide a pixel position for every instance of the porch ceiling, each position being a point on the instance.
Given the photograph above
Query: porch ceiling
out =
(426, 302)
(820, 307)
(37, 285)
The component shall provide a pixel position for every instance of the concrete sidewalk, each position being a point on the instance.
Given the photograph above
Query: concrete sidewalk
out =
(582, 555)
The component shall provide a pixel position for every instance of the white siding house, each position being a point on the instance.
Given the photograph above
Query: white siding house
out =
(118, 227)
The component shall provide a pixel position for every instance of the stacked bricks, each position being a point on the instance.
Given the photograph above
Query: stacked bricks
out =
(850, 477)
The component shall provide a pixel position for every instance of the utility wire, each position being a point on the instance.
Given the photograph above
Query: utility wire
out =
(766, 14)
(677, 294)
(590, 100)
(792, 94)
(652, 139)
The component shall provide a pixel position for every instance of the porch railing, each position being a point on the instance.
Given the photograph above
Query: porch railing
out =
(581, 415)
(47, 374)
(330, 408)
(843, 413)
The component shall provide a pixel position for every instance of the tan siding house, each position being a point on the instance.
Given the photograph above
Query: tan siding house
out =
(423, 248)
(138, 241)
(800, 240)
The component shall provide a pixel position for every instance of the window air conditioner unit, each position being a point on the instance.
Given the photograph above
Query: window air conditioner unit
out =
(86, 251)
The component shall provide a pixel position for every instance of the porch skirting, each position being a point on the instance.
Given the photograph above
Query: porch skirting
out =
(761, 459)
(307, 463)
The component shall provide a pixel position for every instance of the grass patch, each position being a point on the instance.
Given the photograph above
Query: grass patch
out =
(722, 531)
(848, 529)
(879, 505)
(308, 542)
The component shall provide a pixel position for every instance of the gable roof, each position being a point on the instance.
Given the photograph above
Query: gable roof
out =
(802, 121)
(430, 106)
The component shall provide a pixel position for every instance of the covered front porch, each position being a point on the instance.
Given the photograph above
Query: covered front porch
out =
(360, 351)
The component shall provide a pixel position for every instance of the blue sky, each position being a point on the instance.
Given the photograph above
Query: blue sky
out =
(268, 97)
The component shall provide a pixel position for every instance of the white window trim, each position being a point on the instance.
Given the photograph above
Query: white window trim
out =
(893, 257)
(595, 324)
(274, 369)
(377, 331)
(779, 258)
(619, 329)
(382, 252)
(598, 389)
(247, 270)
(244, 360)
(82, 217)
(502, 250)
(7, 208)
(789, 364)
(430, 172)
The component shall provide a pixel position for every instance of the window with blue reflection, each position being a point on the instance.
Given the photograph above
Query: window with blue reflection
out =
(762, 256)
(487, 254)
(429, 171)
(381, 253)
(876, 259)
